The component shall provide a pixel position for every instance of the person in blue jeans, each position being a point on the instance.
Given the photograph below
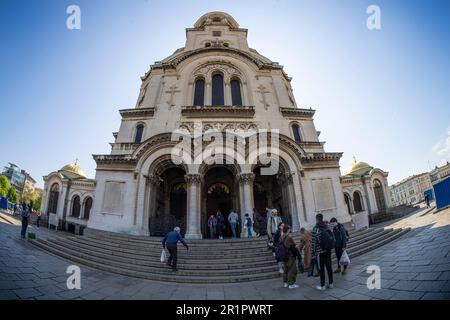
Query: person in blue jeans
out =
(233, 219)
(249, 225)
(171, 240)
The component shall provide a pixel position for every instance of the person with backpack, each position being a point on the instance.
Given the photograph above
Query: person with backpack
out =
(322, 243)
(25, 218)
(341, 235)
(289, 253)
(220, 225)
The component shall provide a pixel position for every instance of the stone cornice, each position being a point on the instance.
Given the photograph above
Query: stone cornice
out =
(218, 111)
(297, 112)
(137, 113)
(322, 156)
(102, 159)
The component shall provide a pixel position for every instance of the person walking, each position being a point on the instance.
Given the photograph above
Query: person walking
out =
(171, 240)
(25, 219)
(212, 224)
(290, 259)
(273, 221)
(233, 220)
(256, 225)
(220, 225)
(248, 225)
(305, 247)
(278, 239)
(341, 235)
(38, 217)
(322, 243)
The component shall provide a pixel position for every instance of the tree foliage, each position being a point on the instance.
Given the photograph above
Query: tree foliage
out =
(11, 195)
(4, 186)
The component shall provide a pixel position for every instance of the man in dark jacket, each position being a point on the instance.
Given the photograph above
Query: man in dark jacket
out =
(171, 240)
(25, 218)
(341, 235)
(320, 253)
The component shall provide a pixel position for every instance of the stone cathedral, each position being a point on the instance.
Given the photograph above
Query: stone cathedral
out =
(216, 81)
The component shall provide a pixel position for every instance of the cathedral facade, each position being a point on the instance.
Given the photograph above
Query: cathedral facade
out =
(216, 84)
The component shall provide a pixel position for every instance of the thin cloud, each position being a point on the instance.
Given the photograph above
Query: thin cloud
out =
(442, 147)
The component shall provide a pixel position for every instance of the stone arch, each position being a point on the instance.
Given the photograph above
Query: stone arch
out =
(358, 203)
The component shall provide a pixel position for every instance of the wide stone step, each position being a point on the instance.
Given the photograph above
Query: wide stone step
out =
(141, 258)
(153, 260)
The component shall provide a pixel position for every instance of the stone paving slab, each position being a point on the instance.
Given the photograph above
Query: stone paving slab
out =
(415, 266)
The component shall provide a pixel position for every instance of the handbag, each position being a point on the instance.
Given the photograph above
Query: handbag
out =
(163, 256)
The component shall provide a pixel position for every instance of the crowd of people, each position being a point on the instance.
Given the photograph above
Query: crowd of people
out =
(217, 225)
(311, 255)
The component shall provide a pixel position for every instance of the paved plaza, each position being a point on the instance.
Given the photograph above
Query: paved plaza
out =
(416, 266)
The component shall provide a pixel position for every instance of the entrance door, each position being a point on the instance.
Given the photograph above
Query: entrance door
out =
(219, 199)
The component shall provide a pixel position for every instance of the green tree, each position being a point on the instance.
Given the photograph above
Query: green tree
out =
(4, 186)
(37, 201)
(11, 195)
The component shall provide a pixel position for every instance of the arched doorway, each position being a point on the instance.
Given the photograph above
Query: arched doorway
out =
(220, 195)
(270, 191)
(87, 208)
(53, 199)
(76, 207)
(347, 202)
(169, 208)
(357, 202)
(379, 195)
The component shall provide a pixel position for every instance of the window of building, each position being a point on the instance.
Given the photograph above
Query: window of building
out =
(357, 202)
(208, 44)
(236, 97)
(296, 132)
(217, 90)
(76, 206)
(139, 133)
(53, 199)
(217, 33)
(87, 208)
(226, 44)
(199, 93)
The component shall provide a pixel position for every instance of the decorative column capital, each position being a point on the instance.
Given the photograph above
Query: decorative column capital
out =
(193, 178)
(153, 179)
(246, 177)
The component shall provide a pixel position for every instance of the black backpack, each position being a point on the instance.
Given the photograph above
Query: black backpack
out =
(327, 240)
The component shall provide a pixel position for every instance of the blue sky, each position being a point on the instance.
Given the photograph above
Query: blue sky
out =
(381, 96)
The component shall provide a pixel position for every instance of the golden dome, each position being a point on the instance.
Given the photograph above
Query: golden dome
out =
(359, 167)
(74, 169)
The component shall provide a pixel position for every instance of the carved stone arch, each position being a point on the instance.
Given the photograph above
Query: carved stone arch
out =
(164, 163)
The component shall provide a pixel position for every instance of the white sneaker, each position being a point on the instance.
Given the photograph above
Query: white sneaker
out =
(285, 285)
(320, 288)
(293, 286)
(330, 286)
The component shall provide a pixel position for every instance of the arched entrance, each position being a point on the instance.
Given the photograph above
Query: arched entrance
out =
(53, 199)
(220, 194)
(168, 202)
(379, 195)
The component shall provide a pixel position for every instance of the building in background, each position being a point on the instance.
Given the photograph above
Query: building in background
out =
(22, 181)
(366, 192)
(411, 190)
(440, 173)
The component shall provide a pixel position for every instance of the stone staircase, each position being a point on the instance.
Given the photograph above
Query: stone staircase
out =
(207, 261)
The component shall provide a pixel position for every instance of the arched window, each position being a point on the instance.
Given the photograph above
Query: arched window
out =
(217, 90)
(236, 97)
(139, 133)
(347, 202)
(296, 132)
(357, 202)
(53, 199)
(76, 206)
(199, 93)
(87, 208)
(379, 195)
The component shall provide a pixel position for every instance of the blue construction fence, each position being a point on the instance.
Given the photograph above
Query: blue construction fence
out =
(5, 204)
(442, 193)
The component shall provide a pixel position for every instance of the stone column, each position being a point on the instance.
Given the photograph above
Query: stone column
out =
(246, 182)
(227, 94)
(193, 230)
(292, 202)
(190, 93)
(208, 95)
(151, 187)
